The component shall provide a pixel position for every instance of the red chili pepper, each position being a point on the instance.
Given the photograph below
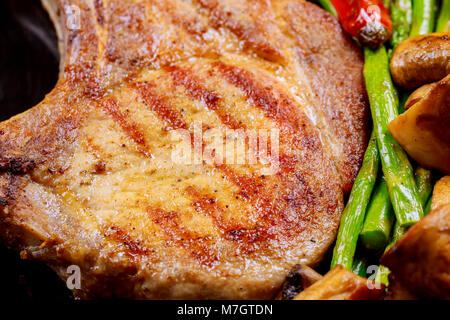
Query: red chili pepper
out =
(367, 20)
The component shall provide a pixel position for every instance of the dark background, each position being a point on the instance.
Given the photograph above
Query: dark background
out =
(29, 62)
(29, 56)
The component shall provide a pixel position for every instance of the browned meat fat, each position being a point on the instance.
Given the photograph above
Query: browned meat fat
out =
(88, 178)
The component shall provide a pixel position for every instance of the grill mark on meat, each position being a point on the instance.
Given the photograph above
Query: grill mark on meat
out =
(282, 109)
(208, 205)
(128, 126)
(245, 238)
(156, 103)
(171, 116)
(148, 93)
(250, 188)
(191, 83)
(200, 250)
(186, 78)
(197, 247)
(135, 249)
(268, 213)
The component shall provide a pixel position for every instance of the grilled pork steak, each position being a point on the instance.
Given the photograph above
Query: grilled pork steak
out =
(88, 176)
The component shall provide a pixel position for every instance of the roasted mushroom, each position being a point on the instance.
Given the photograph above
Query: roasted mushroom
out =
(421, 59)
(342, 284)
(397, 291)
(424, 129)
(441, 193)
(300, 278)
(420, 260)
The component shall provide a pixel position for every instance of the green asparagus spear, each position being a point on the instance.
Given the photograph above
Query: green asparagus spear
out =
(379, 220)
(423, 180)
(427, 208)
(401, 18)
(423, 17)
(443, 22)
(424, 184)
(382, 275)
(383, 271)
(423, 177)
(353, 216)
(423, 23)
(396, 167)
(401, 15)
(399, 34)
(327, 5)
(403, 97)
(360, 267)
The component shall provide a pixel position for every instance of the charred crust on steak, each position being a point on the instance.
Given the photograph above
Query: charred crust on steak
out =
(3, 202)
(17, 165)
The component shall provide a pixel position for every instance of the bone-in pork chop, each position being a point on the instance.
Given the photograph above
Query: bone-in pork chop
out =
(88, 177)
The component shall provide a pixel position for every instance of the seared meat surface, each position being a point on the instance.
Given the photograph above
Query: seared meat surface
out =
(88, 177)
